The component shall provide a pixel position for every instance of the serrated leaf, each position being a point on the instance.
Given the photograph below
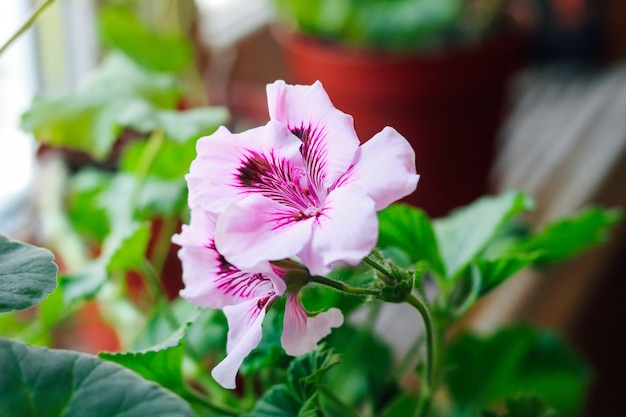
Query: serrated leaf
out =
(39, 382)
(484, 370)
(567, 237)
(410, 229)
(162, 362)
(27, 274)
(305, 373)
(468, 230)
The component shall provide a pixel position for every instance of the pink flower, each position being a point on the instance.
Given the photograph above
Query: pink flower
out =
(211, 281)
(300, 185)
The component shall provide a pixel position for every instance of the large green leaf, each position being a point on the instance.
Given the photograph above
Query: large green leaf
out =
(409, 229)
(27, 274)
(464, 233)
(119, 94)
(39, 382)
(567, 237)
(484, 371)
(161, 363)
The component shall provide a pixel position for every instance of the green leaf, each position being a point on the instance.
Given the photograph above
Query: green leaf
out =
(410, 229)
(277, 402)
(567, 237)
(39, 382)
(152, 49)
(366, 362)
(403, 405)
(161, 363)
(306, 372)
(494, 272)
(483, 371)
(300, 396)
(464, 233)
(122, 250)
(27, 274)
(189, 125)
(85, 210)
(119, 94)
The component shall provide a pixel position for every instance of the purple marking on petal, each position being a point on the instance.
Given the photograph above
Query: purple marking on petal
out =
(287, 185)
(314, 152)
(234, 282)
(263, 303)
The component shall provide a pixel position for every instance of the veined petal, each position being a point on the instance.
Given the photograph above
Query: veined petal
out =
(346, 231)
(301, 333)
(233, 165)
(245, 330)
(329, 141)
(210, 280)
(258, 229)
(385, 168)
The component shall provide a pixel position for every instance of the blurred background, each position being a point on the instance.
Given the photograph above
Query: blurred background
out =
(492, 95)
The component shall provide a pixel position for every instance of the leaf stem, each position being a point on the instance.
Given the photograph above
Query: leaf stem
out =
(154, 284)
(429, 383)
(155, 141)
(31, 21)
(340, 286)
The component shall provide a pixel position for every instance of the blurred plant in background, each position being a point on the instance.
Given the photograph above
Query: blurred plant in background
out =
(114, 154)
(396, 25)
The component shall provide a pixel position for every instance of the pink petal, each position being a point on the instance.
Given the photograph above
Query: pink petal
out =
(328, 135)
(230, 166)
(385, 168)
(210, 281)
(245, 330)
(258, 229)
(301, 333)
(346, 231)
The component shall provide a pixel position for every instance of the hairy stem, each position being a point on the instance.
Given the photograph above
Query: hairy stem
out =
(340, 286)
(429, 381)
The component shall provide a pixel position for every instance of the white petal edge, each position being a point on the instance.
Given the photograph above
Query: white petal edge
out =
(243, 336)
(302, 333)
(385, 168)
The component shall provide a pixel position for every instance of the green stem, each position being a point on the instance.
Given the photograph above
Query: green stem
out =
(429, 381)
(155, 287)
(340, 286)
(155, 141)
(31, 21)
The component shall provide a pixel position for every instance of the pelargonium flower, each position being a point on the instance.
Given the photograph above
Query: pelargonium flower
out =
(300, 185)
(244, 296)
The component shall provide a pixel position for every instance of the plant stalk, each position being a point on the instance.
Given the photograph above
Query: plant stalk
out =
(340, 286)
(430, 379)
(31, 21)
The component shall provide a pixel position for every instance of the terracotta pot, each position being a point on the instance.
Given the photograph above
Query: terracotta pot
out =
(449, 105)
